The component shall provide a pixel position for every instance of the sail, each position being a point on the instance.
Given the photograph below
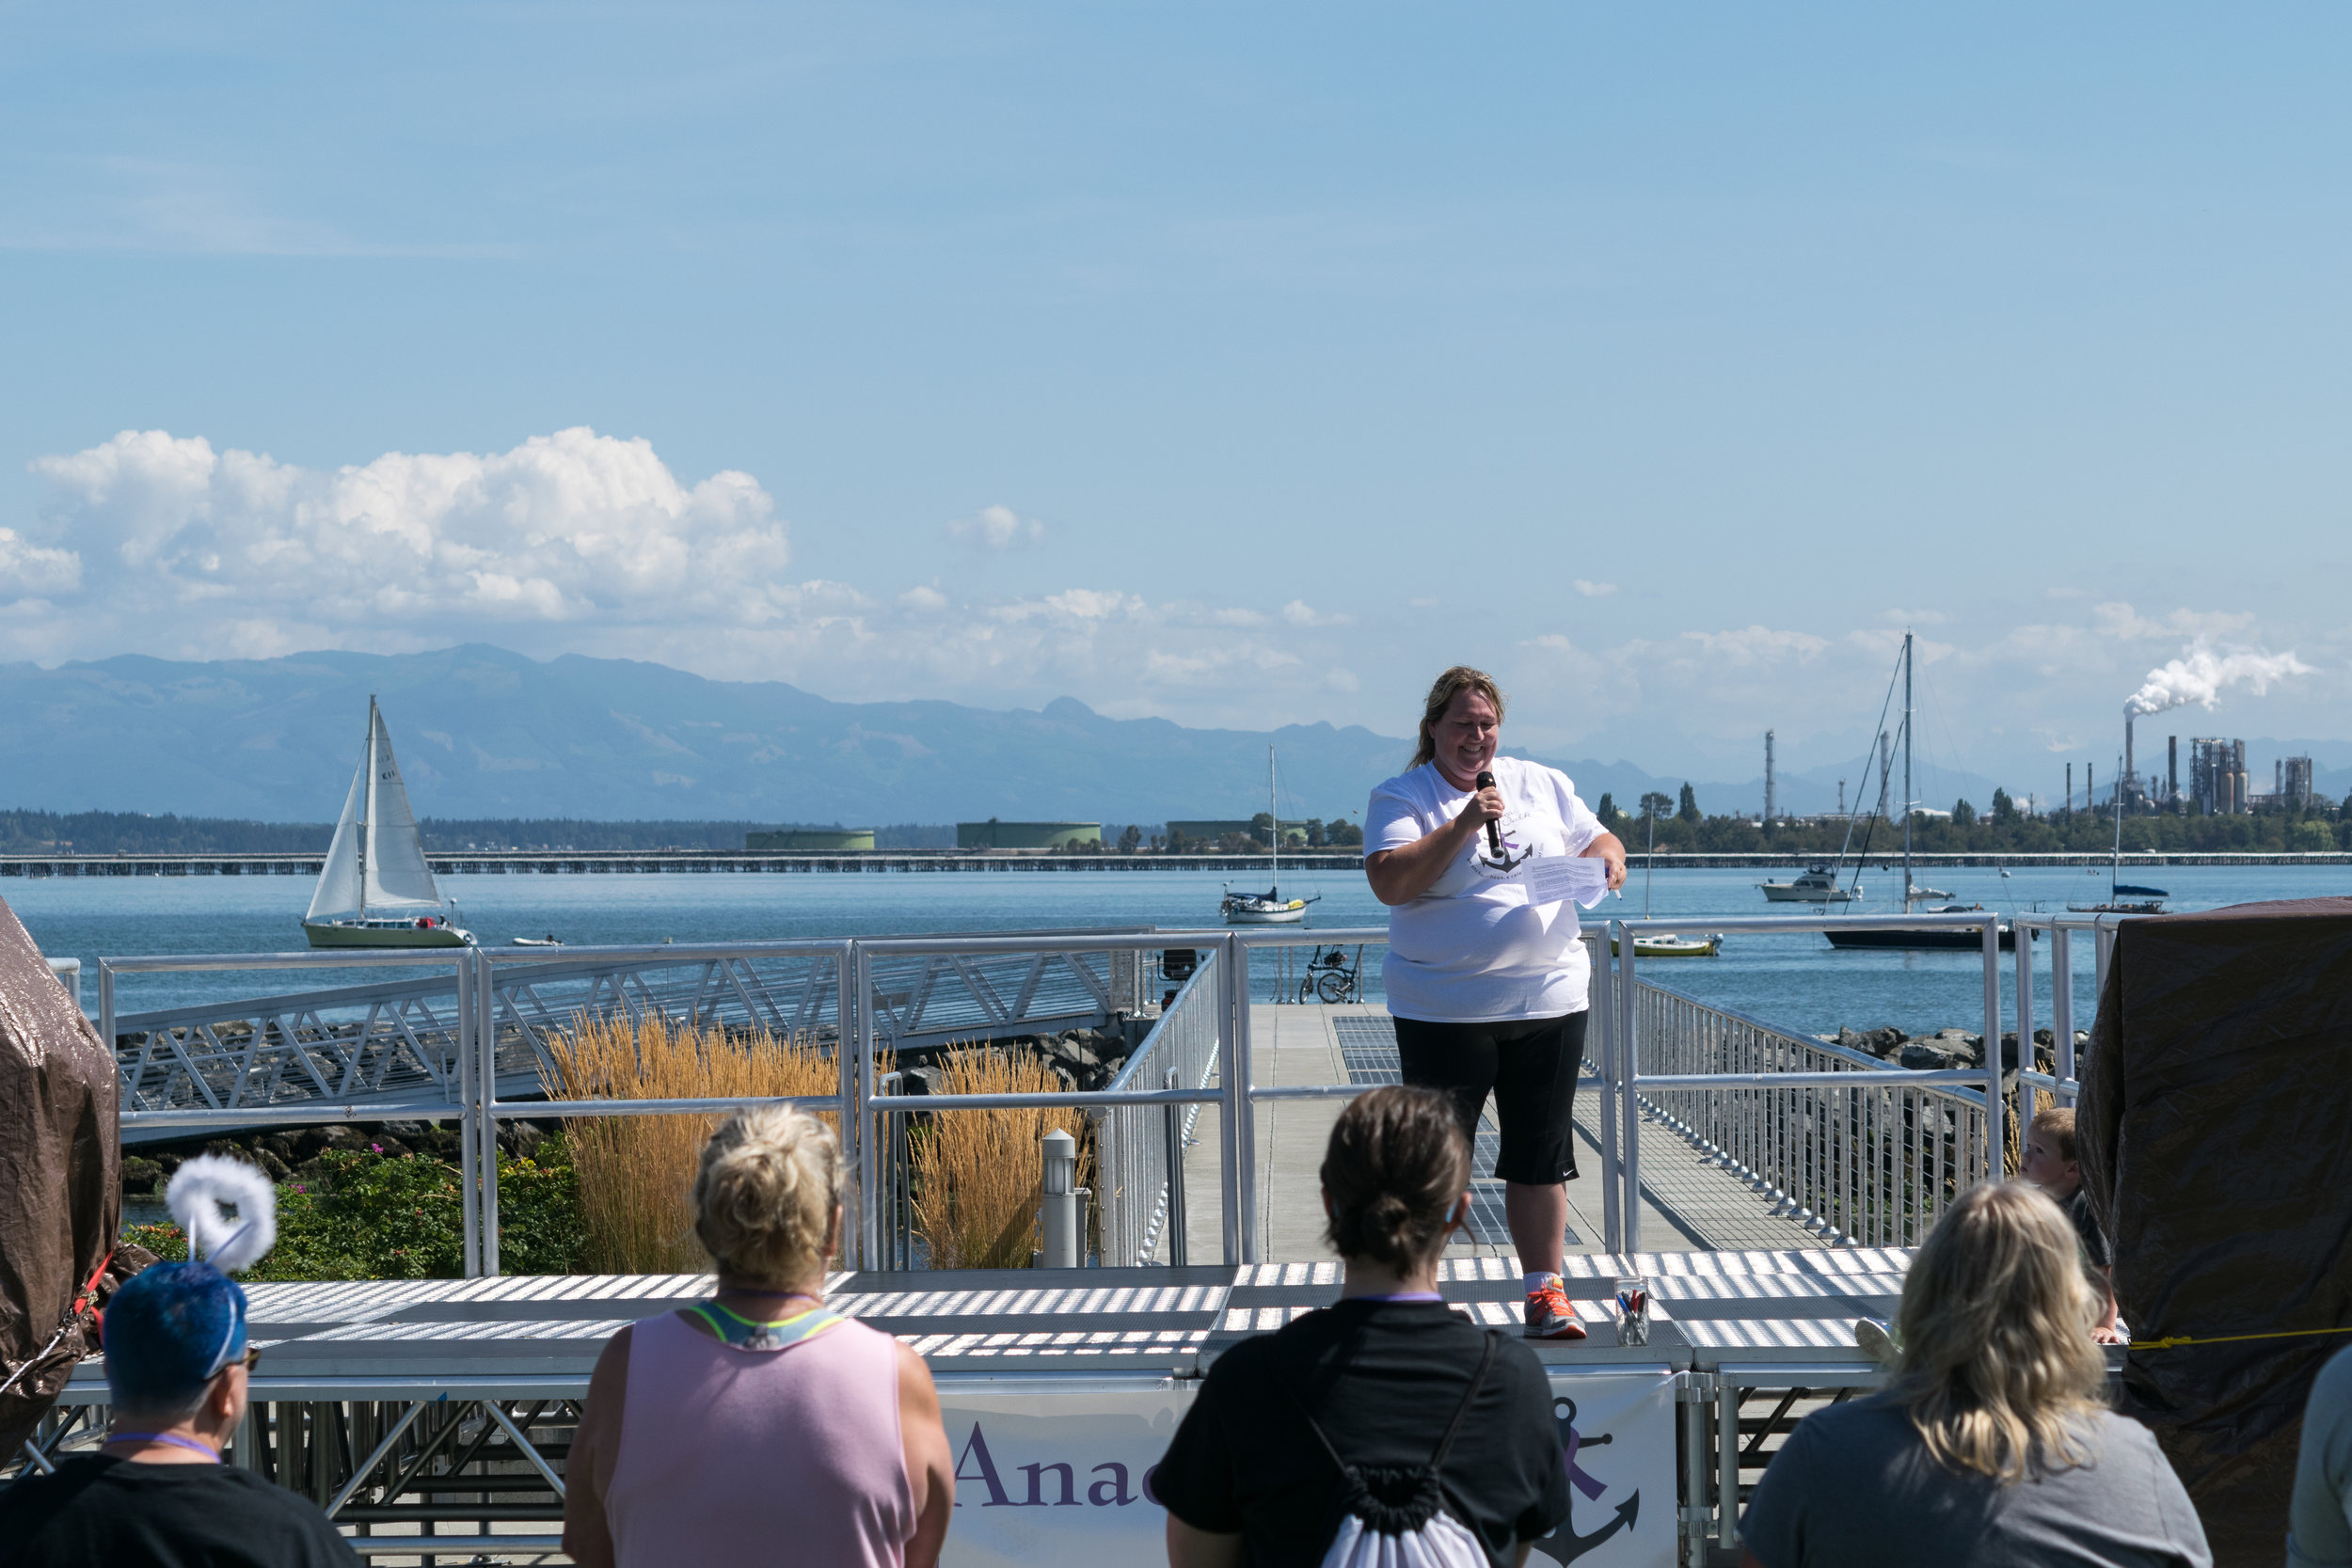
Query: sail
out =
(338, 891)
(397, 878)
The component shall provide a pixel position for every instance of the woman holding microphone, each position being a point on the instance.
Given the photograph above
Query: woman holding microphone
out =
(1489, 989)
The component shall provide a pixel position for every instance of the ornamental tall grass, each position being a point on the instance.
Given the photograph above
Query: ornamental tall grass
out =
(978, 1174)
(636, 1174)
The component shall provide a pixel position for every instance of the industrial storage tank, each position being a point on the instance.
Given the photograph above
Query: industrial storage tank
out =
(993, 834)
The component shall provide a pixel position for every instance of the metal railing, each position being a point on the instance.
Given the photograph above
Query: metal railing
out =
(2064, 1084)
(1872, 1158)
(1138, 1152)
(1800, 1121)
(1850, 1146)
(399, 1043)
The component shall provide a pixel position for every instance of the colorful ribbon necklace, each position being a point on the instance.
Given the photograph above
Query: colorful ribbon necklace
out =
(745, 1334)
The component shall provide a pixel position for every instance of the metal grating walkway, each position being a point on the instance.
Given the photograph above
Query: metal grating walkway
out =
(1368, 1050)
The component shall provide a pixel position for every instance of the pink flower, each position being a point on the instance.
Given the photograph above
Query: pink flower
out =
(375, 1148)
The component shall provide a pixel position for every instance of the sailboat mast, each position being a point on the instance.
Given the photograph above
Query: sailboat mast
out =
(1907, 797)
(367, 811)
(1274, 828)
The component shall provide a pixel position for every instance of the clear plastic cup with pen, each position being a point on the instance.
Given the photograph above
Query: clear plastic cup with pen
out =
(1633, 1311)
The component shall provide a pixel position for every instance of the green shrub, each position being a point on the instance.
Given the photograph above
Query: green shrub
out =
(356, 1214)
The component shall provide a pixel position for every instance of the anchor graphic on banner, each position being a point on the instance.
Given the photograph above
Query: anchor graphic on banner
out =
(1565, 1544)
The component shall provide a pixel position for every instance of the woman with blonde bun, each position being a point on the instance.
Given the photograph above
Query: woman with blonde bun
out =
(760, 1426)
(1992, 1443)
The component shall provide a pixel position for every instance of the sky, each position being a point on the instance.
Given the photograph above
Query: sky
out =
(1242, 365)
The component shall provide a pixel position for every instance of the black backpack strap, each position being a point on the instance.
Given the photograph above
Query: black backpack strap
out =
(1454, 1427)
(1297, 1405)
(1470, 1397)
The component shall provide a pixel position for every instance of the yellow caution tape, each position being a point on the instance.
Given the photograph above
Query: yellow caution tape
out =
(2173, 1341)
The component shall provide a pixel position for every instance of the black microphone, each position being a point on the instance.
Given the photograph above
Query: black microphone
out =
(1494, 835)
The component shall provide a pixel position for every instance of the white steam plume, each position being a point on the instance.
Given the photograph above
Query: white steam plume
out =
(2200, 674)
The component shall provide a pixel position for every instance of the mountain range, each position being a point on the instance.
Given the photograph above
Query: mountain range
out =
(485, 733)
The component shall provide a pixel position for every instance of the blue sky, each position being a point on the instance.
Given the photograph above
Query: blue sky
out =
(1238, 364)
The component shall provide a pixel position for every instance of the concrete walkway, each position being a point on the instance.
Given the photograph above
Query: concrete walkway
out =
(1686, 1203)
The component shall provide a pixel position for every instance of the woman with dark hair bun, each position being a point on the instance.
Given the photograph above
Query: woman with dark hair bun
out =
(1385, 1413)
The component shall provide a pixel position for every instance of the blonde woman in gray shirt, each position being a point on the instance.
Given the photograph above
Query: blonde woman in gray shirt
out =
(1992, 1444)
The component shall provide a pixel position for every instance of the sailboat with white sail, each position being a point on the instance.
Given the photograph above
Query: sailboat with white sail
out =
(377, 890)
(1268, 908)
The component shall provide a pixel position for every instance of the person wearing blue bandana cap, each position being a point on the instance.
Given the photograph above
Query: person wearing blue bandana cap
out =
(157, 1495)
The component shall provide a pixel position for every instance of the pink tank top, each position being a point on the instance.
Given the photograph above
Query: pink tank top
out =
(747, 1456)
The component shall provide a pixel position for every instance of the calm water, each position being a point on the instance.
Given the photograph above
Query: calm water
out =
(1795, 981)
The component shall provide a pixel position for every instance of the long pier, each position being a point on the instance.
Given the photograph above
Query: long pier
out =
(547, 863)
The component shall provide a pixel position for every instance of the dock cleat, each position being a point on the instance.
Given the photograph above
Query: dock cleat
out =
(1549, 1316)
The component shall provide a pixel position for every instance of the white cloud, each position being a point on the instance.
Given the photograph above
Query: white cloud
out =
(1298, 612)
(1594, 590)
(30, 568)
(997, 528)
(567, 528)
(575, 542)
(1758, 645)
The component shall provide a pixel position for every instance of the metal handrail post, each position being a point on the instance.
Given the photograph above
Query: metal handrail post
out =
(1612, 1222)
(2062, 1006)
(869, 1230)
(2027, 1057)
(1235, 1094)
(107, 1003)
(469, 1140)
(1245, 1055)
(849, 1119)
(1726, 1463)
(1996, 1139)
(486, 1053)
(1628, 1102)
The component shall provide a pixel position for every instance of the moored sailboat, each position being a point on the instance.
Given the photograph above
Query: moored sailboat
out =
(377, 890)
(1268, 908)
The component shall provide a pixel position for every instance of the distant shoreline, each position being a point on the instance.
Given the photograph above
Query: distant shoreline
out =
(527, 862)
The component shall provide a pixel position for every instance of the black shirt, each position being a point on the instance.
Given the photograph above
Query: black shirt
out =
(1382, 1378)
(98, 1509)
(2096, 1253)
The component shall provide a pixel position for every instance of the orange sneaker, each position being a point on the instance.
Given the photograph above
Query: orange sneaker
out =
(1549, 1314)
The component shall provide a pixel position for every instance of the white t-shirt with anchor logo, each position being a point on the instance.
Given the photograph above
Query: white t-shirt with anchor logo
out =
(1474, 949)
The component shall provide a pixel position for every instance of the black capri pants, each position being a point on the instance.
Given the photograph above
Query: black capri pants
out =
(1531, 1064)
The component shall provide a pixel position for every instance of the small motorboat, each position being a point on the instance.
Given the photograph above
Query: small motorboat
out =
(551, 939)
(1668, 945)
(1819, 885)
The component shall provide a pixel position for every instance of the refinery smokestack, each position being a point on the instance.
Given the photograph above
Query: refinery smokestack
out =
(2130, 775)
(1767, 775)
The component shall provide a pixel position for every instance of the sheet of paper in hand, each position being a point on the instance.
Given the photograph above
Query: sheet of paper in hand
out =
(1553, 878)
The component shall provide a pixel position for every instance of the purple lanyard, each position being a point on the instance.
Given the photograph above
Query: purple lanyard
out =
(173, 1438)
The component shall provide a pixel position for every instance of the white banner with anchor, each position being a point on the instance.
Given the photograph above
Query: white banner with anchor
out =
(1046, 1479)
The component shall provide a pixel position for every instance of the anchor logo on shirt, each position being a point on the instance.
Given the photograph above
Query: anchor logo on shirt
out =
(1565, 1545)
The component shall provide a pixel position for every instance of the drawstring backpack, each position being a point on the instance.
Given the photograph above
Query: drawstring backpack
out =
(1395, 1517)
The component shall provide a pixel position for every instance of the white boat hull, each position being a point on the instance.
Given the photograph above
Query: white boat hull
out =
(382, 933)
(1790, 893)
(1290, 914)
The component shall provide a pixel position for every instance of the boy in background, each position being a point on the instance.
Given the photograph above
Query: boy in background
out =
(2050, 1163)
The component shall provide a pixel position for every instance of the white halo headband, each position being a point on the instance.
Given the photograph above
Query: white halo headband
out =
(198, 1191)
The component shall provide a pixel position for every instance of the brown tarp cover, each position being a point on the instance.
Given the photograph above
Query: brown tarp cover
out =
(61, 1190)
(2216, 1137)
